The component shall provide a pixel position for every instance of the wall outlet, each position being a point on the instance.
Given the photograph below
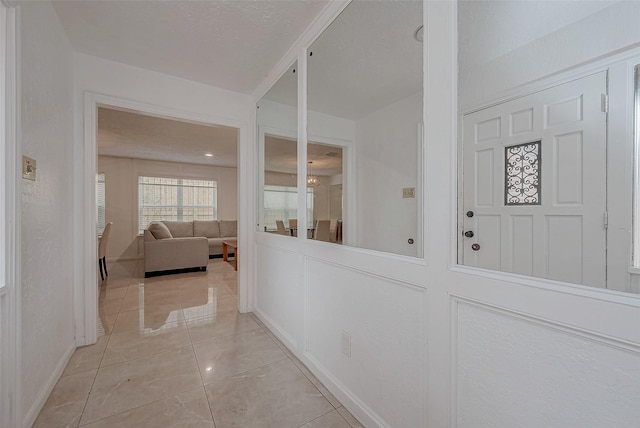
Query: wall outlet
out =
(346, 344)
(408, 193)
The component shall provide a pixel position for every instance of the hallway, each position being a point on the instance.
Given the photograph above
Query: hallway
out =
(176, 353)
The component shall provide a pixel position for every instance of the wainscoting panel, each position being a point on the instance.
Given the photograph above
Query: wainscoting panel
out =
(368, 332)
(510, 369)
(279, 292)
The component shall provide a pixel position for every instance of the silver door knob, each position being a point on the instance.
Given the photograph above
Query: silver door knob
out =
(469, 234)
(475, 247)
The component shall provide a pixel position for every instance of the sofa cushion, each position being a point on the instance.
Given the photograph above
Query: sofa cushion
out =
(159, 230)
(228, 228)
(208, 229)
(180, 229)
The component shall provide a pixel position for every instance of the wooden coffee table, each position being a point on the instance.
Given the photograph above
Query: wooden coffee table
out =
(225, 251)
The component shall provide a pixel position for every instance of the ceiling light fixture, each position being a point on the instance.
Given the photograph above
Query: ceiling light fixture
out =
(312, 180)
(419, 35)
(209, 155)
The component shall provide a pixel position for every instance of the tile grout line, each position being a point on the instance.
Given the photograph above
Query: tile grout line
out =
(84, 407)
(191, 343)
(204, 389)
(142, 405)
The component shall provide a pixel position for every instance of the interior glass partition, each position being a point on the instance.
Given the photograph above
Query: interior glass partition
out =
(277, 117)
(364, 90)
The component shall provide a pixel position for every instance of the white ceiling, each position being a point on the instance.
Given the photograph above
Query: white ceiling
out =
(230, 44)
(361, 63)
(133, 135)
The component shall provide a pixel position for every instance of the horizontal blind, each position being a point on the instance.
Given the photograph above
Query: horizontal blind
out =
(175, 199)
(281, 203)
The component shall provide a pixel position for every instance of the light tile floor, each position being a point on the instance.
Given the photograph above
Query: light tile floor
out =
(178, 354)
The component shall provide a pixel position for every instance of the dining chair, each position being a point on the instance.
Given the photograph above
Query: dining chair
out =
(280, 228)
(322, 231)
(102, 250)
(293, 226)
(333, 230)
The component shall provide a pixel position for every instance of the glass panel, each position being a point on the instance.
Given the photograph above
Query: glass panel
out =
(546, 154)
(522, 174)
(277, 120)
(324, 177)
(365, 104)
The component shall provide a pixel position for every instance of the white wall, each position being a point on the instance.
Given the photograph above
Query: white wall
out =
(46, 115)
(436, 344)
(597, 35)
(121, 194)
(386, 162)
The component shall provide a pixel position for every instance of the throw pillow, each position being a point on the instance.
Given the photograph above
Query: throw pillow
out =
(159, 230)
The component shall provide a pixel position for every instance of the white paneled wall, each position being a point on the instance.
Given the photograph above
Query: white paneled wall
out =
(435, 344)
(537, 373)
(280, 292)
(385, 320)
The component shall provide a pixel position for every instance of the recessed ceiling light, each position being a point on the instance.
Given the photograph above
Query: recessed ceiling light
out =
(209, 155)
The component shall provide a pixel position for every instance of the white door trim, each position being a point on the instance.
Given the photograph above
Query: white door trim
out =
(86, 308)
(10, 293)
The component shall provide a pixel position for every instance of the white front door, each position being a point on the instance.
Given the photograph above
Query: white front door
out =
(535, 184)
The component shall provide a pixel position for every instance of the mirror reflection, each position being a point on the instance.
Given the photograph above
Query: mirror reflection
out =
(324, 181)
(365, 97)
(546, 142)
(277, 119)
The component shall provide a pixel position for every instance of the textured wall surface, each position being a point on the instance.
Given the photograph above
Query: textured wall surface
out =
(47, 137)
(514, 371)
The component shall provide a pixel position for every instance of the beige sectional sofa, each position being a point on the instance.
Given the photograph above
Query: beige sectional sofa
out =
(171, 245)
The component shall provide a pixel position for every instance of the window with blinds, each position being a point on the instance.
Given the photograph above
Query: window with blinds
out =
(175, 199)
(100, 193)
(281, 203)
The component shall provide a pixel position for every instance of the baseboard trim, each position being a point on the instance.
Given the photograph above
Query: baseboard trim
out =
(350, 401)
(365, 415)
(282, 335)
(41, 399)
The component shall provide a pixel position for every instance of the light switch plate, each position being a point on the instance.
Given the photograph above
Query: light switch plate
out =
(28, 168)
(408, 193)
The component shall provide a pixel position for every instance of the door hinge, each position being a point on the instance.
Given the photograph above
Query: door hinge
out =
(606, 219)
(604, 103)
